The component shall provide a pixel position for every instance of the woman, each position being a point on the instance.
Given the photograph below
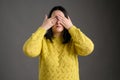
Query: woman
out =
(58, 43)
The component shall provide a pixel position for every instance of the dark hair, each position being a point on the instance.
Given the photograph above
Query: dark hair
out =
(66, 35)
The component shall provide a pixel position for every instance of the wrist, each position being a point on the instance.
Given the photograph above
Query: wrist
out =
(44, 27)
(69, 27)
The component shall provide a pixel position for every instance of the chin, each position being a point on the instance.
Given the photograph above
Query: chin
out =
(59, 30)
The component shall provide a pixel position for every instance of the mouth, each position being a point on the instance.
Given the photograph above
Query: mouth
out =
(57, 26)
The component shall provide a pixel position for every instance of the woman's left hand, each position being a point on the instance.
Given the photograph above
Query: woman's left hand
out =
(66, 22)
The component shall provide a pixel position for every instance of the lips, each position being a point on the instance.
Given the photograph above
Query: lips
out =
(57, 26)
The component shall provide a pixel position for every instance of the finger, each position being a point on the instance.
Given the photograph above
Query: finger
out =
(53, 17)
(53, 20)
(60, 17)
(45, 18)
(57, 17)
(69, 18)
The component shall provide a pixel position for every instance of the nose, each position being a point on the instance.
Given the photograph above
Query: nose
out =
(58, 22)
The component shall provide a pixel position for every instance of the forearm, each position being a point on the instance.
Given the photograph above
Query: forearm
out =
(32, 47)
(83, 45)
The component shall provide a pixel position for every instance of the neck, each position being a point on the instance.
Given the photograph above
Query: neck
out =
(58, 35)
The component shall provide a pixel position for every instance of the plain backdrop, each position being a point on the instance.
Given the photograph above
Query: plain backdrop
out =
(98, 19)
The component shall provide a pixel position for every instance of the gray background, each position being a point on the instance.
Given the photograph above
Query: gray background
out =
(99, 19)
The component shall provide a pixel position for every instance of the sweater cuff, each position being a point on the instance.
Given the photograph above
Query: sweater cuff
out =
(72, 29)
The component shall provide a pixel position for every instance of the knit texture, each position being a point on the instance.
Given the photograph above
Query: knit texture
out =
(58, 61)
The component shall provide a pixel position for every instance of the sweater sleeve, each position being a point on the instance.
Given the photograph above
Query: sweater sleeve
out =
(82, 44)
(32, 47)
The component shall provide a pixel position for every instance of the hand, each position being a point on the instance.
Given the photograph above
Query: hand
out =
(48, 22)
(66, 22)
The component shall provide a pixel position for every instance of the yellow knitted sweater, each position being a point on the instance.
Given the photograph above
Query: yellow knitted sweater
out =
(58, 61)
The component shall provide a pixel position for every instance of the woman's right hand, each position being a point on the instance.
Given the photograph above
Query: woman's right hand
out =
(48, 22)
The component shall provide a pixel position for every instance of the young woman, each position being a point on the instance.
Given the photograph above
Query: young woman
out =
(58, 43)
